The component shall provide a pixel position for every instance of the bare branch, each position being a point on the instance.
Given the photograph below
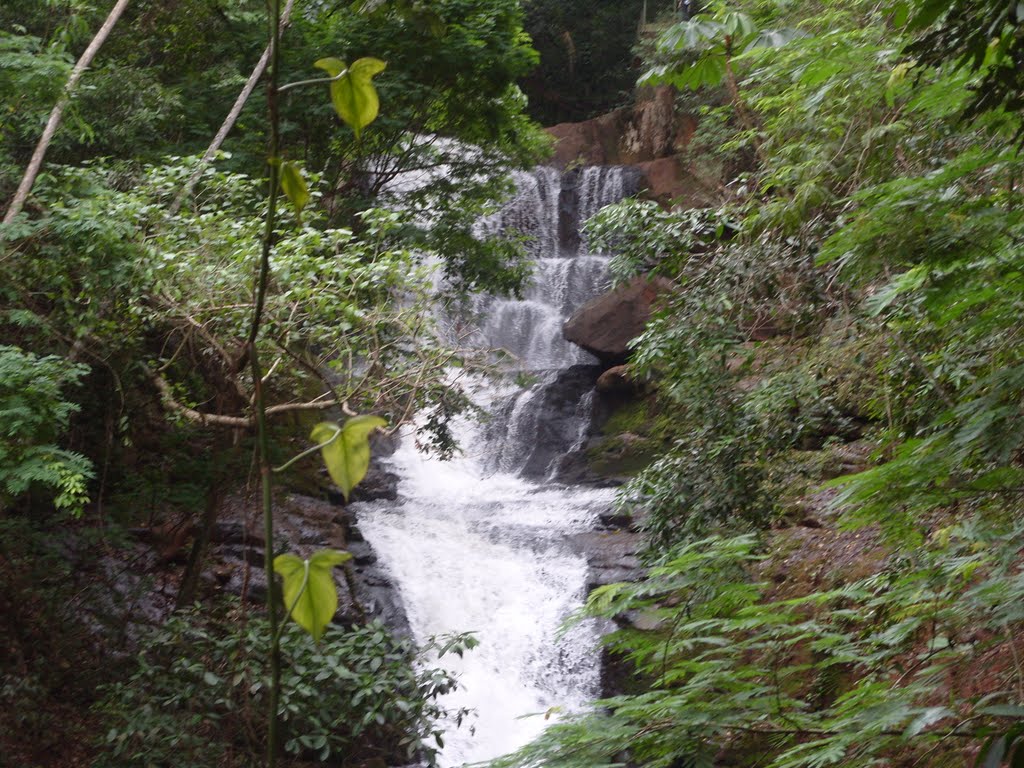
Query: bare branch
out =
(234, 422)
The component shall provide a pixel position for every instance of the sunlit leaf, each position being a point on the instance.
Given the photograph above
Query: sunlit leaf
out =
(294, 186)
(346, 449)
(309, 588)
(352, 91)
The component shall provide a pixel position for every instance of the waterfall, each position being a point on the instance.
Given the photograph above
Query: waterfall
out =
(479, 543)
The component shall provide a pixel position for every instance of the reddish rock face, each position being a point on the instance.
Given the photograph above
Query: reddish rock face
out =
(605, 325)
(649, 135)
(651, 131)
(592, 142)
(647, 131)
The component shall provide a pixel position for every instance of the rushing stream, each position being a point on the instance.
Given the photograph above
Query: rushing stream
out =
(479, 543)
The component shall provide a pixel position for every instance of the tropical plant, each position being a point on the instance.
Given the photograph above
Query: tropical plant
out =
(35, 412)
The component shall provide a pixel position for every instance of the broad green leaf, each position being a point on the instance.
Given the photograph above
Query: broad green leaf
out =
(294, 187)
(900, 14)
(309, 589)
(347, 455)
(331, 66)
(991, 754)
(739, 26)
(352, 92)
(1002, 710)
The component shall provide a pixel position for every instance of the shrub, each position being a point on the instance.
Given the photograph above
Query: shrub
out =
(196, 695)
(34, 413)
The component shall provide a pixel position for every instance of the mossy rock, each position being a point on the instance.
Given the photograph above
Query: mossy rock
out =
(623, 455)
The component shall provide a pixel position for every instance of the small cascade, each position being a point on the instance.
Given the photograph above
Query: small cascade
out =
(549, 210)
(480, 543)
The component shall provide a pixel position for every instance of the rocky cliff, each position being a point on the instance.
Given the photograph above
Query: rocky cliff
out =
(651, 135)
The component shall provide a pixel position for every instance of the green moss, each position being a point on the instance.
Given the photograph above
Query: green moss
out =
(634, 436)
(622, 455)
(631, 417)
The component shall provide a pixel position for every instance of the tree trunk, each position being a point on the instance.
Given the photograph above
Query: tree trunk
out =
(36, 163)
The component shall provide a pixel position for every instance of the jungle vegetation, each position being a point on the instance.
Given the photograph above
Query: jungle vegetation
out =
(832, 520)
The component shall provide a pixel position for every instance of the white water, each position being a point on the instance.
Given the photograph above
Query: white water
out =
(474, 547)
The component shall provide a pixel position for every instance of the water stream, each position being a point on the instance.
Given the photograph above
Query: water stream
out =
(479, 543)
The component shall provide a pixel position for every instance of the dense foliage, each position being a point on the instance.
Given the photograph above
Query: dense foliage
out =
(586, 55)
(833, 522)
(196, 696)
(129, 384)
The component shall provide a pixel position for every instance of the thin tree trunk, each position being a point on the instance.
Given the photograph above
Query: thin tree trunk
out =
(36, 163)
(231, 119)
(263, 440)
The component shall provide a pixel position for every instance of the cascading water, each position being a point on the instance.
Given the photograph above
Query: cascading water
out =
(476, 543)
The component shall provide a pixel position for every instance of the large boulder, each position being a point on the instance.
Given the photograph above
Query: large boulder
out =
(605, 325)
(590, 142)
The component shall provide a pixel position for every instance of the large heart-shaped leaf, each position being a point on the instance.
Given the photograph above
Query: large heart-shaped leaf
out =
(352, 91)
(294, 187)
(309, 588)
(346, 450)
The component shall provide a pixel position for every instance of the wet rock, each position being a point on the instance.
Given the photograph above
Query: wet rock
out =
(535, 439)
(617, 381)
(252, 555)
(611, 556)
(604, 326)
(613, 520)
(377, 485)
(304, 524)
(236, 532)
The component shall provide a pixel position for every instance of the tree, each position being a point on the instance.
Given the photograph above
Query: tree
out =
(701, 51)
(983, 36)
(36, 163)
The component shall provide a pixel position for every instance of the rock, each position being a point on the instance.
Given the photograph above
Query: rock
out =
(648, 131)
(611, 556)
(651, 132)
(379, 484)
(303, 525)
(545, 432)
(605, 325)
(664, 178)
(591, 142)
(236, 532)
(616, 381)
(612, 520)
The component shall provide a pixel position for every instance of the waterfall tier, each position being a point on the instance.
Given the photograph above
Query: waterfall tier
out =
(476, 544)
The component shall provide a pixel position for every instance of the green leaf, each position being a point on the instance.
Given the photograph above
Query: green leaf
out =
(331, 65)
(929, 717)
(929, 13)
(900, 14)
(309, 589)
(352, 92)
(1003, 710)
(991, 755)
(294, 187)
(347, 455)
